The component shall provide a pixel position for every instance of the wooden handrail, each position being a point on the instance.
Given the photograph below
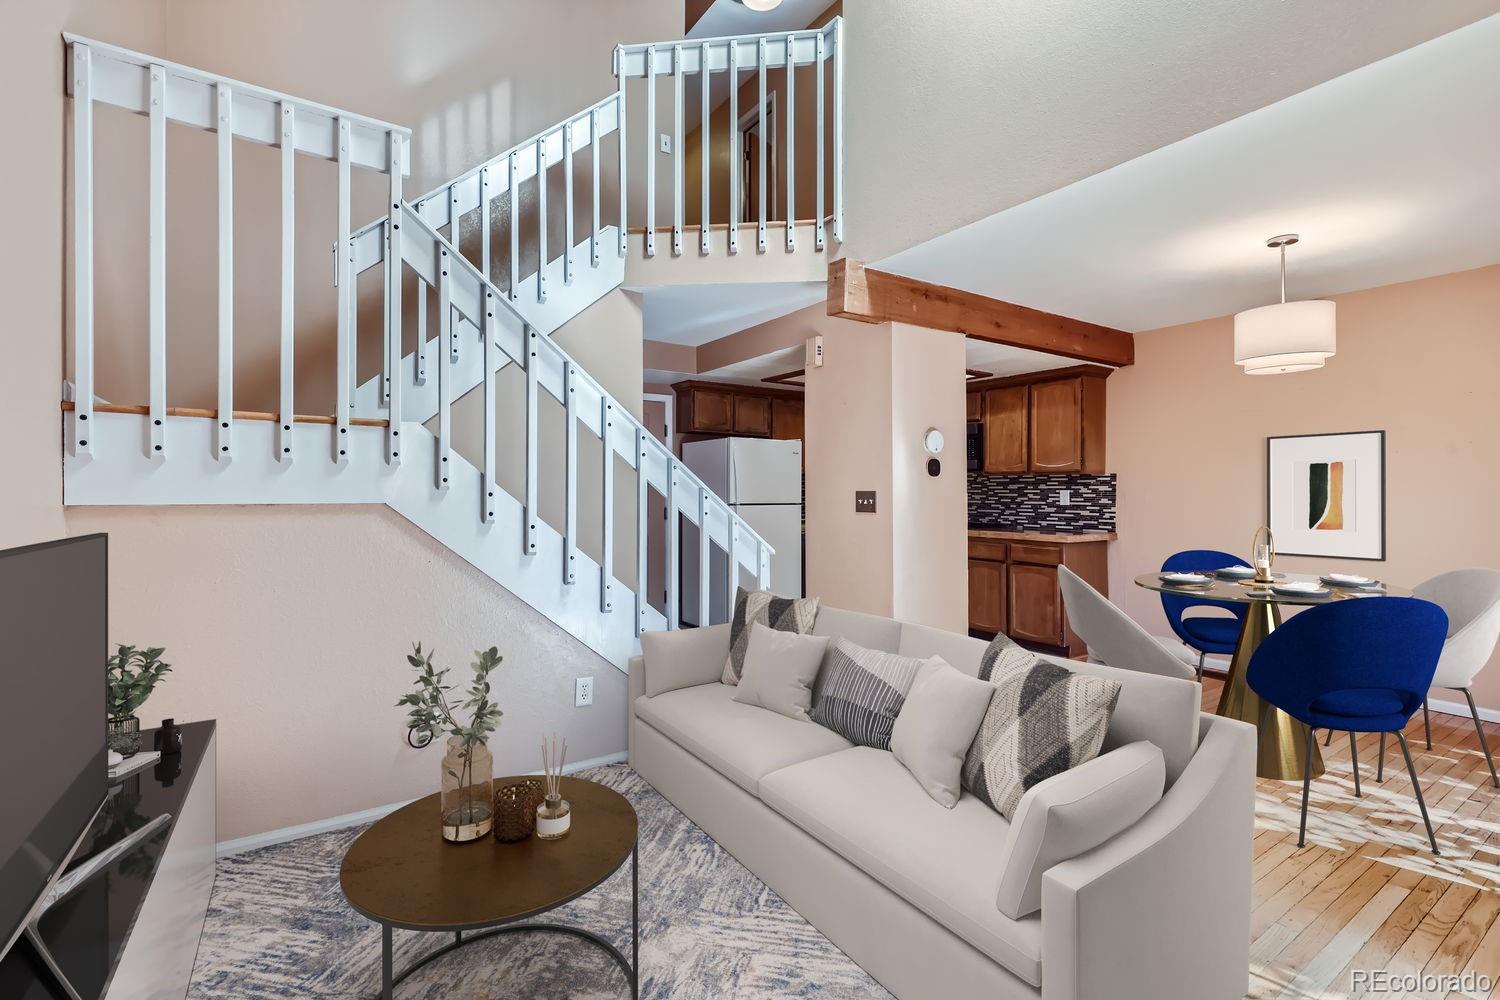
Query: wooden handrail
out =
(193, 411)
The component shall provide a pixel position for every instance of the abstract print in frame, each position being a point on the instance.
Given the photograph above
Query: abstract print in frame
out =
(1325, 494)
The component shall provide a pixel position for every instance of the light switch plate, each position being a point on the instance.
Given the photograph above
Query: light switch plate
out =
(864, 501)
(583, 692)
(666, 143)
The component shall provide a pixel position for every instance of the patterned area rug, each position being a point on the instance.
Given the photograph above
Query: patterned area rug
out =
(278, 926)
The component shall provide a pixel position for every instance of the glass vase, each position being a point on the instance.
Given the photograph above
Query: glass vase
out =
(466, 799)
(123, 736)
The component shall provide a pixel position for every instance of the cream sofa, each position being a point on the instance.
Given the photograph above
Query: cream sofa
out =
(1140, 868)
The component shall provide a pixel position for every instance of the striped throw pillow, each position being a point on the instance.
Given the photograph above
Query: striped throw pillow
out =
(1043, 719)
(861, 692)
(784, 614)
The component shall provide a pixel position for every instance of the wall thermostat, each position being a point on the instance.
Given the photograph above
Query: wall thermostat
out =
(932, 441)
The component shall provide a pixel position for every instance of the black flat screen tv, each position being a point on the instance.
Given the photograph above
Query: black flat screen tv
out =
(53, 647)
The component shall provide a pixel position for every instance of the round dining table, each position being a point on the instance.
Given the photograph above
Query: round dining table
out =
(1282, 739)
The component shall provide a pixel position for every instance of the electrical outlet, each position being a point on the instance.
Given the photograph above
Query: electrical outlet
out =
(583, 692)
(1064, 497)
(666, 143)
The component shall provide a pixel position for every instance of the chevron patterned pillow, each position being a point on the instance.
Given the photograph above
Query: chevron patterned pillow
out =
(861, 691)
(1043, 719)
(785, 614)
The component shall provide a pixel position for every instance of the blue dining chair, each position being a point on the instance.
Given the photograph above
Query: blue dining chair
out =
(1205, 634)
(1356, 666)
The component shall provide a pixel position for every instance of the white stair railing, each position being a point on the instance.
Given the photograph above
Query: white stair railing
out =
(469, 302)
(165, 92)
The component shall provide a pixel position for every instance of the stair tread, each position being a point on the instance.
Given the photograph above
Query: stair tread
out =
(192, 411)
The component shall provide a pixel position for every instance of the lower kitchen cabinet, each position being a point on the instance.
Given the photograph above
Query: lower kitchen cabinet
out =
(986, 595)
(1013, 588)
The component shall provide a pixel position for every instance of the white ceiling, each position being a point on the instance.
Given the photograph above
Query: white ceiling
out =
(696, 314)
(998, 359)
(1389, 173)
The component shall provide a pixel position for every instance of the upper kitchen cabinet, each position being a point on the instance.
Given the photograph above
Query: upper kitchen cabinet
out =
(1005, 422)
(1046, 422)
(729, 409)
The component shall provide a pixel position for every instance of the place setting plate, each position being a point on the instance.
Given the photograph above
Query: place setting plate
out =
(1186, 580)
(1301, 588)
(1348, 581)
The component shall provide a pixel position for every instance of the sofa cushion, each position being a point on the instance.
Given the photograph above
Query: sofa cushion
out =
(741, 742)
(937, 723)
(1161, 710)
(780, 668)
(869, 631)
(862, 804)
(1074, 812)
(683, 657)
(786, 614)
(860, 692)
(960, 651)
(1043, 719)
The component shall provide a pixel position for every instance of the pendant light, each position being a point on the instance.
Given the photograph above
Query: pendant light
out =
(761, 5)
(1285, 336)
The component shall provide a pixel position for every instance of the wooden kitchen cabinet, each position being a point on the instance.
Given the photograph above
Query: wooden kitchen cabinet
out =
(786, 419)
(1036, 608)
(987, 595)
(1044, 422)
(973, 406)
(752, 416)
(708, 411)
(1005, 421)
(1013, 586)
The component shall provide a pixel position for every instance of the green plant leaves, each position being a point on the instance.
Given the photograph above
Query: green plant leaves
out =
(431, 712)
(131, 675)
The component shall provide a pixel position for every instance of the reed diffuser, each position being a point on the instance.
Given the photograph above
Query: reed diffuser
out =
(554, 817)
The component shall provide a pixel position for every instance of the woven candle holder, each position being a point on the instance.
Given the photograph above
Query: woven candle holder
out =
(515, 809)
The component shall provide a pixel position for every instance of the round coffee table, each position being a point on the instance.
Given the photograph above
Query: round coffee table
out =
(402, 873)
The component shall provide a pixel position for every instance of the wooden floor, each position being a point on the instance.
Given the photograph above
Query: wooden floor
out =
(1366, 892)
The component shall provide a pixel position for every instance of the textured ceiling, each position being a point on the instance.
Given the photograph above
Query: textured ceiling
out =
(1389, 173)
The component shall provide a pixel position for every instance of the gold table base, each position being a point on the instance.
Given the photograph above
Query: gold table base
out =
(1282, 745)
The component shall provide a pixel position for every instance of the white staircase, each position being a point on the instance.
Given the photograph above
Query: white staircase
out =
(155, 454)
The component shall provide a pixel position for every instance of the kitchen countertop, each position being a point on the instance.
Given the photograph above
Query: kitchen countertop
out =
(1055, 537)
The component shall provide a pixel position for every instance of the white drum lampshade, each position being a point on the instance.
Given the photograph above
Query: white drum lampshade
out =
(761, 5)
(1285, 337)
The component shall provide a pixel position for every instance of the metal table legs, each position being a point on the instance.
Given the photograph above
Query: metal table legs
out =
(1283, 747)
(631, 968)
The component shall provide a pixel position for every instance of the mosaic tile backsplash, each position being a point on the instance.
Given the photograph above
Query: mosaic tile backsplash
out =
(1027, 502)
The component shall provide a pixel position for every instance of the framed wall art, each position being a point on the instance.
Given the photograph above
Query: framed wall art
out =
(1325, 494)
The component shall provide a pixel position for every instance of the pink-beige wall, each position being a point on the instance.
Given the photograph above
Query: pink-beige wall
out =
(289, 624)
(1187, 436)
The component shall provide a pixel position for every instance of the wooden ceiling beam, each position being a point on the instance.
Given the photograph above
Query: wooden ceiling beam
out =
(864, 294)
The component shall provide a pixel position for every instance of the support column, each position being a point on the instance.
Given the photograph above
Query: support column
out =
(880, 388)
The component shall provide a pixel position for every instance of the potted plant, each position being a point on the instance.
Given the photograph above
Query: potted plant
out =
(132, 674)
(465, 802)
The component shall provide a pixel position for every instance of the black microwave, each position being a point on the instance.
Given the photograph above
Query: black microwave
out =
(975, 441)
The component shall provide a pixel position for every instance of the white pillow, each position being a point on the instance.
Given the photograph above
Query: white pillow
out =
(1073, 812)
(938, 720)
(779, 671)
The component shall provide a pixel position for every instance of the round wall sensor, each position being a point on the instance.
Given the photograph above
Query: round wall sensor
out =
(932, 441)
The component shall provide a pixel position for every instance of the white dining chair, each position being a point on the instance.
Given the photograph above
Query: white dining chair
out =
(1113, 637)
(1471, 597)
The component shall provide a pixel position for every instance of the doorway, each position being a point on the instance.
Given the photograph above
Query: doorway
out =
(750, 132)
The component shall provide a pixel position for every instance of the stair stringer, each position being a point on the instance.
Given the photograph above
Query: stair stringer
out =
(419, 401)
(121, 474)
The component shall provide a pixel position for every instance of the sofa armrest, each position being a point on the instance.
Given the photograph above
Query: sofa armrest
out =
(1162, 912)
(684, 658)
(635, 686)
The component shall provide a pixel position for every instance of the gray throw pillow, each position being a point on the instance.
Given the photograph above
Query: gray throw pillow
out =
(860, 692)
(780, 668)
(785, 614)
(937, 723)
(1042, 720)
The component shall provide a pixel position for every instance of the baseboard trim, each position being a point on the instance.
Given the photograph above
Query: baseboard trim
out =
(286, 834)
(1461, 709)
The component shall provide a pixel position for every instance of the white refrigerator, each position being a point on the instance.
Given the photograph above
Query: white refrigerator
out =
(761, 480)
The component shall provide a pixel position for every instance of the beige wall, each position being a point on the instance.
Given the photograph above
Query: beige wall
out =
(1418, 360)
(879, 388)
(289, 624)
(31, 262)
